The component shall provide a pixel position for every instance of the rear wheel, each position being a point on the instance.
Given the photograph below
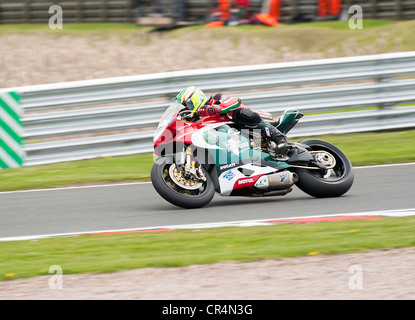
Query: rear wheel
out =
(179, 190)
(333, 182)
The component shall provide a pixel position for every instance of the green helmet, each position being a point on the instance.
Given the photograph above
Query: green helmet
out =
(192, 98)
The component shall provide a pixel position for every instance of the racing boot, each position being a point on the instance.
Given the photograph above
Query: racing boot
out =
(282, 145)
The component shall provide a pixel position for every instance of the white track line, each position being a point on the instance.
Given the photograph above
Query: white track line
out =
(385, 165)
(241, 223)
(78, 187)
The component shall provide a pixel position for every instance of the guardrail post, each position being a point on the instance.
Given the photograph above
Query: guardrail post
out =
(26, 11)
(104, 10)
(374, 9)
(79, 16)
(209, 8)
(12, 154)
(295, 11)
(398, 9)
(129, 11)
(384, 80)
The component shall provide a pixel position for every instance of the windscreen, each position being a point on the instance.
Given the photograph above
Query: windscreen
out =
(167, 116)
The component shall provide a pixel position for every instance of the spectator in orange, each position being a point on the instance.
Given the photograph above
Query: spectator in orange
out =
(270, 13)
(221, 14)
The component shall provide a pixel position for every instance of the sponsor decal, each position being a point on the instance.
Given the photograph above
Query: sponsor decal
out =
(267, 132)
(210, 136)
(229, 175)
(227, 166)
(234, 144)
(283, 176)
(244, 181)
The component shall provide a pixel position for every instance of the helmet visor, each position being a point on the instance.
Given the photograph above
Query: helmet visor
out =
(197, 100)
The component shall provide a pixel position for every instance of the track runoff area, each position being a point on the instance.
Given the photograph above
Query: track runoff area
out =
(377, 214)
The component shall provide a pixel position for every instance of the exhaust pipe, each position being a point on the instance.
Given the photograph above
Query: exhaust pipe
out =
(271, 193)
(277, 181)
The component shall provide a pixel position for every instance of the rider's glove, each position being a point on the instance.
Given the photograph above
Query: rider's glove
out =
(216, 99)
(207, 110)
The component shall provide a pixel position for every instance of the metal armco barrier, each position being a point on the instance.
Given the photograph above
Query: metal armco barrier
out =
(117, 116)
(12, 153)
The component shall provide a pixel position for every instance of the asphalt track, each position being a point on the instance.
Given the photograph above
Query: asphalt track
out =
(137, 205)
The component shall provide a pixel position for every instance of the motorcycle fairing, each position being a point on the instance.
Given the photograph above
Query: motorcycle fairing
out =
(237, 164)
(234, 179)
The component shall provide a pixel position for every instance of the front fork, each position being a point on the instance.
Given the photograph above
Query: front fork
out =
(192, 170)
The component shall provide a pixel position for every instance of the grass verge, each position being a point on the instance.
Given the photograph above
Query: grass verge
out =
(75, 29)
(377, 36)
(109, 253)
(361, 148)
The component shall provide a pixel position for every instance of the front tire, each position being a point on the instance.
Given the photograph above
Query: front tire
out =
(175, 194)
(331, 183)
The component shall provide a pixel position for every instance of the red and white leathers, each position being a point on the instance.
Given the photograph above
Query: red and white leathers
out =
(244, 117)
(221, 104)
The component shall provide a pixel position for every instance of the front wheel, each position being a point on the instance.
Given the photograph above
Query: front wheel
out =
(333, 182)
(174, 188)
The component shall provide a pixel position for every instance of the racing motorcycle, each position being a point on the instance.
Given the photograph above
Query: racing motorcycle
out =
(198, 157)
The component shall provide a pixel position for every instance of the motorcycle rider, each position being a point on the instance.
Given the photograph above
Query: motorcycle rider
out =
(244, 117)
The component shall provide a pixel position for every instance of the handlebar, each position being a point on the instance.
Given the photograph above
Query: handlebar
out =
(189, 115)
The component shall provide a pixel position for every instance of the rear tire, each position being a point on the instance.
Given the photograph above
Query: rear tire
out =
(176, 195)
(320, 183)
